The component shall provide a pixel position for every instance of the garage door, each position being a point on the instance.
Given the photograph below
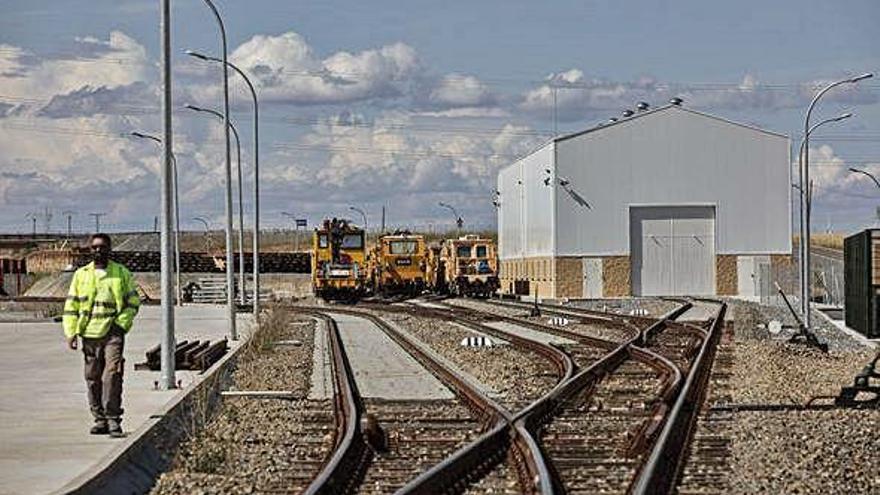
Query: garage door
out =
(673, 250)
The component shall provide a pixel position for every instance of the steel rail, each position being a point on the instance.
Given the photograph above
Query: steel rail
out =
(485, 409)
(660, 472)
(464, 465)
(538, 413)
(349, 449)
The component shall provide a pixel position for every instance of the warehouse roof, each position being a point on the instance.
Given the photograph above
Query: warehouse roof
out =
(661, 109)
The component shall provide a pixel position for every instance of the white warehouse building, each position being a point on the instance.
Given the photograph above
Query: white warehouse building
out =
(668, 201)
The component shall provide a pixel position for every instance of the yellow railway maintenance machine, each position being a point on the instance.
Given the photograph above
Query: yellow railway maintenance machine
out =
(339, 269)
(398, 264)
(466, 266)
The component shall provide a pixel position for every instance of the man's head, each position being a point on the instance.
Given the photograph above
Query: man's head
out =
(100, 246)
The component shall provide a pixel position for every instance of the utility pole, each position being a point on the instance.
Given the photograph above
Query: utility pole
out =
(33, 218)
(383, 219)
(167, 376)
(97, 216)
(69, 214)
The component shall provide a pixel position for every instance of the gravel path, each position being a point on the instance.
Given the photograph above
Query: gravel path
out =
(644, 306)
(833, 451)
(600, 331)
(519, 376)
(260, 445)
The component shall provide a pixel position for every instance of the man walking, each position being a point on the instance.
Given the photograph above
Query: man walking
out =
(100, 309)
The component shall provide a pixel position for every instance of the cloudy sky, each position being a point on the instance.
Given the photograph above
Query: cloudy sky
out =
(404, 104)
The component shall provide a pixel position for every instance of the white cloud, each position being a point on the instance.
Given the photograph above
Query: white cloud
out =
(287, 70)
(576, 95)
(456, 90)
(118, 61)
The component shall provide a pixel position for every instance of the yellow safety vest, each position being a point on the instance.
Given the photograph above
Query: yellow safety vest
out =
(96, 301)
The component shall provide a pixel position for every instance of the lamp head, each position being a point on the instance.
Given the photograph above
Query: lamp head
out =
(195, 54)
(193, 107)
(864, 76)
(844, 116)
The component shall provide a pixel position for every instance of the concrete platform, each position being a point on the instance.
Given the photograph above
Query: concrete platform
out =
(44, 441)
(382, 368)
(528, 333)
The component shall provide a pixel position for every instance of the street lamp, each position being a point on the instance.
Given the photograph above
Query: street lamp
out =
(240, 202)
(176, 209)
(808, 190)
(864, 172)
(230, 280)
(363, 215)
(256, 238)
(292, 217)
(207, 234)
(459, 222)
(805, 222)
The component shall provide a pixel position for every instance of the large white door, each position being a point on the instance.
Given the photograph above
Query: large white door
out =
(673, 250)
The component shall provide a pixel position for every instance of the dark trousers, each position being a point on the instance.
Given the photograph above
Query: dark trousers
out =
(103, 371)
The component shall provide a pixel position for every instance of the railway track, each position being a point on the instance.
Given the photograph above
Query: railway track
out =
(604, 432)
(599, 429)
(420, 434)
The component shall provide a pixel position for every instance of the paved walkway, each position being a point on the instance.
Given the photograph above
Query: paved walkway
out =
(382, 368)
(44, 439)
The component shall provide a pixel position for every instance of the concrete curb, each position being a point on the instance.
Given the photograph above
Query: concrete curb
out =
(135, 464)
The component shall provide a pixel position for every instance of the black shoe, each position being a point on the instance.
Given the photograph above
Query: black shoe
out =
(100, 428)
(114, 428)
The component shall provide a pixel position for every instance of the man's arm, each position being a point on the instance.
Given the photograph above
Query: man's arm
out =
(131, 303)
(71, 308)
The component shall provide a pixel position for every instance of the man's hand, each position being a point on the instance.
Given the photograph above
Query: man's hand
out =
(71, 343)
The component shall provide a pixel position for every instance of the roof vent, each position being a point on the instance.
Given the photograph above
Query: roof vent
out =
(676, 101)
(628, 113)
(642, 106)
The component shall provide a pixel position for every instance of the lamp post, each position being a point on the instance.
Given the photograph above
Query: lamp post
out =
(459, 222)
(292, 217)
(176, 209)
(240, 200)
(865, 172)
(805, 222)
(168, 346)
(207, 234)
(230, 280)
(256, 221)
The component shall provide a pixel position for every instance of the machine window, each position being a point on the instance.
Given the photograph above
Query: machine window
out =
(322, 241)
(463, 251)
(404, 247)
(352, 241)
(481, 251)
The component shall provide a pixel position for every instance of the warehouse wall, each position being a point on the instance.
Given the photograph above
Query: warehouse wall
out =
(674, 156)
(525, 218)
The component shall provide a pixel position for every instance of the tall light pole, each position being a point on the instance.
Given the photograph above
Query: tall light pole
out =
(230, 261)
(174, 180)
(207, 234)
(292, 217)
(241, 281)
(459, 222)
(168, 346)
(256, 221)
(363, 215)
(805, 222)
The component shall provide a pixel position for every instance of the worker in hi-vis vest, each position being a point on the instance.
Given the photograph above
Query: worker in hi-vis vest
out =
(99, 310)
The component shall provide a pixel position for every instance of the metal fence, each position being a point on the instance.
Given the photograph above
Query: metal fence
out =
(827, 281)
